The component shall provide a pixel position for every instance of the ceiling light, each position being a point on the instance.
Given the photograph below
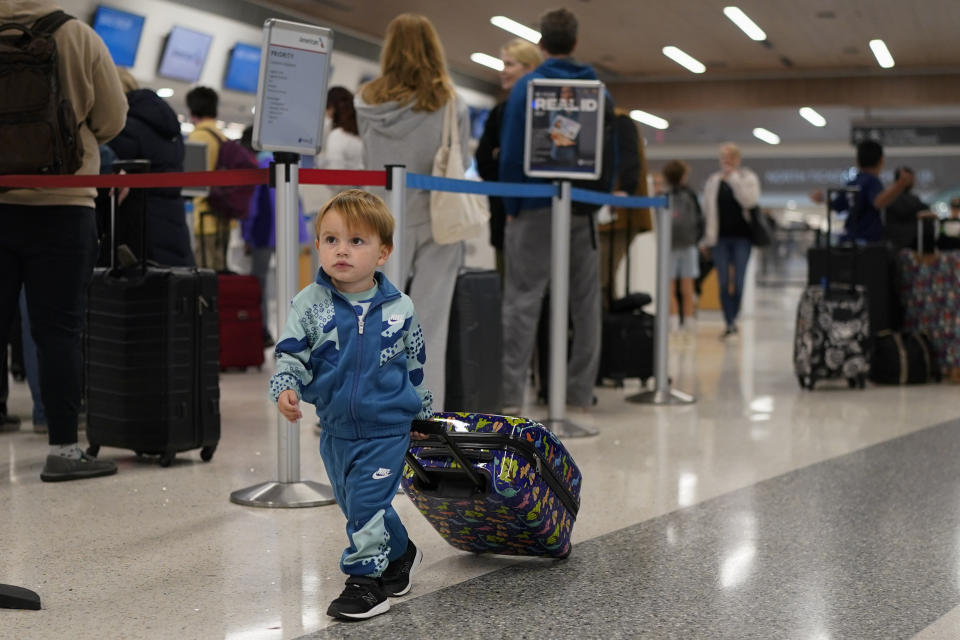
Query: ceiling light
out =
(880, 51)
(516, 28)
(684, 60)
(649, 119)
(165, 92)
(767, 136)
(743, 21)
(811, 116)
(487, 61)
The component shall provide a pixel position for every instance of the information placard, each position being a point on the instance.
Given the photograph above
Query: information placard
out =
(564, 134)
(292, 88)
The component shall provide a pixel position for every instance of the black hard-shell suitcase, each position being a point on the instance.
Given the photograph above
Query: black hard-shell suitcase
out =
(151, 360)
(475, 344)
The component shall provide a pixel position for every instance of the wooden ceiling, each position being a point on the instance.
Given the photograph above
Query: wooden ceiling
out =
(624, 38)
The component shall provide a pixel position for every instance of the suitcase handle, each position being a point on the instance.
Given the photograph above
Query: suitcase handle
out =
(433, 427)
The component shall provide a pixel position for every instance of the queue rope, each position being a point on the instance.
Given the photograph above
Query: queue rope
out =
(243, 177)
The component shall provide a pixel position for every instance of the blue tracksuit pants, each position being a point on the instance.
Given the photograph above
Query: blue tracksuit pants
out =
(365, 475)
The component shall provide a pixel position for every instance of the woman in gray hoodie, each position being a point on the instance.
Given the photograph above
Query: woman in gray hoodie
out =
(400, 117)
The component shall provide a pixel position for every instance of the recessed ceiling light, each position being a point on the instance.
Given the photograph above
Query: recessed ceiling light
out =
(165, 92)
(684, 59)
(766, 135)
(487, 61)
(742, 20)
(649, 119)
(882, 54)
(516, 28)
(810, 115)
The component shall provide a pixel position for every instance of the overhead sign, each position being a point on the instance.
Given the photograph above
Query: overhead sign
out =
(564, 133)
(292, 88)
(906, 135)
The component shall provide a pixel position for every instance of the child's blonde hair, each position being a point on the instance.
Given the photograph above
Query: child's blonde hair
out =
(360, 209)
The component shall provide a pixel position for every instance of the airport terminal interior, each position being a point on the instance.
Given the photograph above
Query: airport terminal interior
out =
(758, 510)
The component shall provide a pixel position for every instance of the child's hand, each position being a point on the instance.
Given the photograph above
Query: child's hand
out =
(289, 405)
(416, 435)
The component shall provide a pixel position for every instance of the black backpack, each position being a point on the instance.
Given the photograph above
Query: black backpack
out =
(608, 165)
(39, 133)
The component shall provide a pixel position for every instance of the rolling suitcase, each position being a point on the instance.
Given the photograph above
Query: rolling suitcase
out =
(929, 286)
(832, 337)
(475, 344)
(151, 372)
(494, 484)
(626, 346)
(241, 321)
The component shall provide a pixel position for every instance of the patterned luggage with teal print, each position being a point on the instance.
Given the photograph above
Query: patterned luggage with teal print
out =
(494, 484)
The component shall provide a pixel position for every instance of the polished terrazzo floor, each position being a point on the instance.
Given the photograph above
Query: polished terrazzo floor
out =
(761, 511)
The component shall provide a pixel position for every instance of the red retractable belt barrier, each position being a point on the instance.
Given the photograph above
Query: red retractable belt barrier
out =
(230, 178)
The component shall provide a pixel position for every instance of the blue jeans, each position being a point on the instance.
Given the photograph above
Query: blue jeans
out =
(731, 250)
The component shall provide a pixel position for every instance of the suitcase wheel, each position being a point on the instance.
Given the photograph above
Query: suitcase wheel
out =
(93, 450)
(806, 382)
(166, 459)
(206, 454)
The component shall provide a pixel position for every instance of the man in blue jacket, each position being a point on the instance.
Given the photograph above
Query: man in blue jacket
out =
(527, 240)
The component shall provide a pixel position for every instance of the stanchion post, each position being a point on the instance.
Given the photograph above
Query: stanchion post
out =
(288, 490)
(557, 421)
(396, 268)
(662, 393)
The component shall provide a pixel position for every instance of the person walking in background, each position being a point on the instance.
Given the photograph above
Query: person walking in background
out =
(212, 232)
(685, 231)
(400, 117)
(728, 197)
(519, 57)
(152, 132)
(48, 237)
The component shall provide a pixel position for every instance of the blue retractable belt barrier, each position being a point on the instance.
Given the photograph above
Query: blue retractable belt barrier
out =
(598, 197)
(503, 189)
(527, 190)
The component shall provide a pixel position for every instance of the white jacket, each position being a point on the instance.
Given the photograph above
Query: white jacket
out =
(343, 150)
(746, 189)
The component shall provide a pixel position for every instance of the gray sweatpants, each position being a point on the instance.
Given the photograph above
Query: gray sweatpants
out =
(527, 259)
(433, 268)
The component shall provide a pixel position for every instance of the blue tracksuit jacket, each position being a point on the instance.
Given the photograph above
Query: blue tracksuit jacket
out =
(365, 378)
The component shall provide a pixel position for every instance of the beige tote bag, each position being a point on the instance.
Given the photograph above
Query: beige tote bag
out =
(454, 216)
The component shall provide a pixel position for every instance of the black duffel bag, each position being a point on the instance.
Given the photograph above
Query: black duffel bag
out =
(903, 358)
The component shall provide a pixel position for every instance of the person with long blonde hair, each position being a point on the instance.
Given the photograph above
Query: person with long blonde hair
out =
(519, 57)
(400, 117)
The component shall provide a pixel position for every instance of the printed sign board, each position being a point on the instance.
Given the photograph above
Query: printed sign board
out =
(564, 133)
(292, 87)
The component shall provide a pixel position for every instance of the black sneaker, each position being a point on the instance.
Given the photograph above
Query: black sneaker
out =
(396, 579)
(362, 598)
(59, 469)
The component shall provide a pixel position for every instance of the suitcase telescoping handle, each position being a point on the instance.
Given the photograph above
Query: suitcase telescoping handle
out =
(936, 230)
(128, 166)
(832, 193)
(437, 428)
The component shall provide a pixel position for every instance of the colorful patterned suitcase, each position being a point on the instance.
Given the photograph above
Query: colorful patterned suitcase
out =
(494, 484)
(930, 289)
